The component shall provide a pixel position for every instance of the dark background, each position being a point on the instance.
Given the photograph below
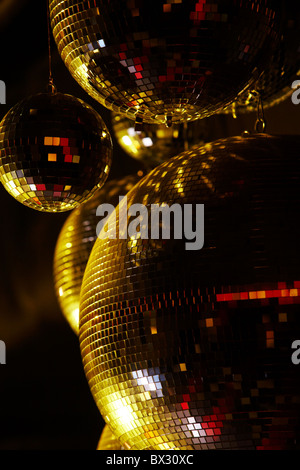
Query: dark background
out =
(45, 402)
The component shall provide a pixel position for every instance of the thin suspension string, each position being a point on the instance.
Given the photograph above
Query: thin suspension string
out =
(51, 85)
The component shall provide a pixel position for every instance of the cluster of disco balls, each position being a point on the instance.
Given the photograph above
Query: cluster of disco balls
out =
(182, 350)
(156, 64)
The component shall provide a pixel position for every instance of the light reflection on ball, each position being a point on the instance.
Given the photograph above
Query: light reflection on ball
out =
(191, 349)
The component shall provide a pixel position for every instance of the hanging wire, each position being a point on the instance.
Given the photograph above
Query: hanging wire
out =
(51, 86)
(260, 125)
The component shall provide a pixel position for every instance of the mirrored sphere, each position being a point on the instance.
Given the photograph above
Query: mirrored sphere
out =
(188, 348)
(55, 152)
(164, 62)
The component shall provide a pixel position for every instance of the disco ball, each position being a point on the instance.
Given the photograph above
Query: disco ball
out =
(156, 143)
(55, 152)
(191, 349)
(108, 441)
(75, 242)
(274, 86)
(164, 62)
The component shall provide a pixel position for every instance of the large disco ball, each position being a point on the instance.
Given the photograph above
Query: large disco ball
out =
(164, 62)
(74, 245)
(191, 349)
(274, 85)
(157, 143)
(55, 152)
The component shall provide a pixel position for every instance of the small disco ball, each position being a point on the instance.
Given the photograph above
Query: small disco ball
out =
(274, 86)
(156, 143)
(191, 349)
(164, 62)
(55, 152)
(75, 242)
(108, 441)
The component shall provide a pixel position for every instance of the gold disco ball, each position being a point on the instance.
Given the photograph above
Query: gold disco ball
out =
(75, 242)
(164, 62)
(190, 349)
(274, 86)
(156, 143)
(55, 152)
(108, 441)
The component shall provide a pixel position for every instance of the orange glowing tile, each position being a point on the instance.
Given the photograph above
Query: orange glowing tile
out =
(285, 293)
(261, 294)
(36, 200)
(48, 141)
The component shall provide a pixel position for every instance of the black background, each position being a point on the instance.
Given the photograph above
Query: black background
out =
(45, 402)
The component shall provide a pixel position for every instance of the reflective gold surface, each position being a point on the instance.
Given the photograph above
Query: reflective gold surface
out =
(274, 86)
(108, 441)
(162, 62)
(156, 143)
(55, 152)
(75, 243)
(192, 349)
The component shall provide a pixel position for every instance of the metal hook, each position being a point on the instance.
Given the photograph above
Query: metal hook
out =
(260, 125)
(169, 121)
